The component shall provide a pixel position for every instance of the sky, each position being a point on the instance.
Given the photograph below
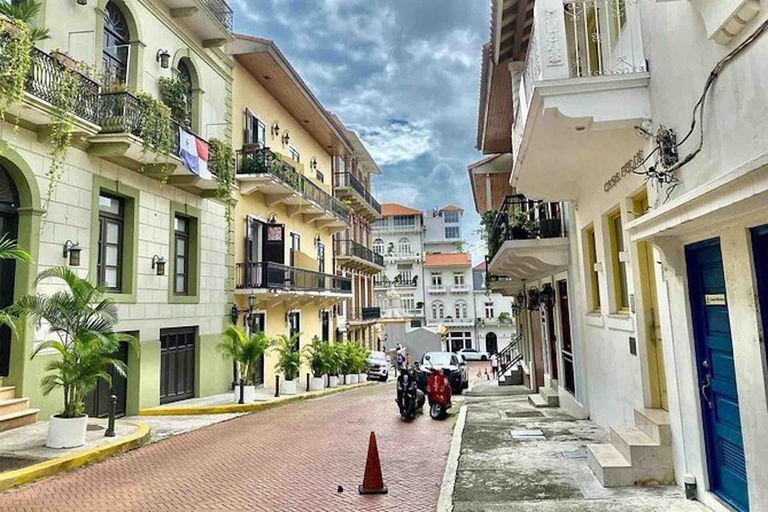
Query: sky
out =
(403, 74)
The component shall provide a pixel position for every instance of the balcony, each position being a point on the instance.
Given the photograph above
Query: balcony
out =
(403, 313)
(402, 256)
(360, 316)
(350, 254)
(261, 170)
(44, 76)
(460, 288)
(583, 89)
(210, 20)
(275, 283)
(436, 289)
(350, 188)
(527, 240)
(451, 322)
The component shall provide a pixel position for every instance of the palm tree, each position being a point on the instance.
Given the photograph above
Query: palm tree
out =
(83, 318)
(288, 357)
(10, 251)
(245, 351)
(26, 12)
(316, 357)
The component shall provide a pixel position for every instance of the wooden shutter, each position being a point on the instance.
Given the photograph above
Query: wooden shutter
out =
(248, 136)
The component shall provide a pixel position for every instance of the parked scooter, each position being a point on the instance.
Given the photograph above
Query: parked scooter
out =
(439, 394)
(410, 399)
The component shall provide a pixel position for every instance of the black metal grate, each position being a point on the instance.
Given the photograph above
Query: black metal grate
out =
(523, 414)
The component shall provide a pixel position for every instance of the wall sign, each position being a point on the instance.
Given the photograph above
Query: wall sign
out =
(714, 299)
(627, 168)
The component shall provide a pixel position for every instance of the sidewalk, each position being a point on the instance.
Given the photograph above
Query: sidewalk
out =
(515, 457)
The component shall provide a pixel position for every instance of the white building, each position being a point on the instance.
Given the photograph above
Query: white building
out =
(666, 258)
(494, 317)
(443, 231)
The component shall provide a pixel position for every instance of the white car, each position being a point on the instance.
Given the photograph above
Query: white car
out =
(471, 354)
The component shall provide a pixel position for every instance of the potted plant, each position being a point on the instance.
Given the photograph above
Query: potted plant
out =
(246, 351)
(362, 360)
(503, 317)
(348, 363)
(288, 362)
(83, 318)
(316, 357)
(334, 363)
(520, 225)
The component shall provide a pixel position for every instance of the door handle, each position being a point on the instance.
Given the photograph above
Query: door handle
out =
(705, 391)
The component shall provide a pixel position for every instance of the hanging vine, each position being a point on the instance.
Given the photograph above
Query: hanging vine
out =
(15, 61)
(175, 93)
(156, 132)
(221, 164)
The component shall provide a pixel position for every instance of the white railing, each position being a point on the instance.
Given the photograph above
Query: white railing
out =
(436, 288)
(460, 288)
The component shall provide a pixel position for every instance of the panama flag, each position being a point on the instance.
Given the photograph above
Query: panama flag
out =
(194, 153)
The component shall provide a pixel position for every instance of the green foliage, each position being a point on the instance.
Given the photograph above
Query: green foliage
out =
(354, 358)
(520, 219)
(221, 163)
(317, 357)
(175, 93)
(335, 358)
(15, 47)
(288, 357)
(26, 13)
(156, 129)
(503, 317)
(10, 251)
(83, 318)
(245, 351)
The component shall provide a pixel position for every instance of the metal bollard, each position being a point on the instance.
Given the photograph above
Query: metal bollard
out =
(112, 411)
(277, 386)
(307, 382)
(242, 392)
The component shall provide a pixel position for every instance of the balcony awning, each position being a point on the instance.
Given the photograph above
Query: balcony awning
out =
(525, 260)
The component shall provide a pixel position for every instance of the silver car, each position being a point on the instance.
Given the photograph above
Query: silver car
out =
(378, 366)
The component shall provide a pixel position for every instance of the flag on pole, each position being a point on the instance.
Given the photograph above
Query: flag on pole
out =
(194, 154)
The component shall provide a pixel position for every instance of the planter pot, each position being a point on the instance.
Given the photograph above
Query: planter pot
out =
(65, 60)
(352, 378)
(249, 394)
(333, 381)
(66, 432)
(317, 384)
(347, 378)
(362, 377)
(520, 233)
(550, 228)
(288, 387)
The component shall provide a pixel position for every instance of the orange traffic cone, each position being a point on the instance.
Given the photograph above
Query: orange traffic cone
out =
(373, 483)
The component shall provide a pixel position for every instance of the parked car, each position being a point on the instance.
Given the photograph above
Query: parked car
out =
(452, 364)
(472, 354)
(378, 366)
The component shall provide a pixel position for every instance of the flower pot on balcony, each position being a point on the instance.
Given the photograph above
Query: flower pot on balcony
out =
(288, 387)
(66, 432)
(519, 233)
(249, 394)
(550, 228)
(317, 384)
(333, 381)
(65, 60)
(362, 377)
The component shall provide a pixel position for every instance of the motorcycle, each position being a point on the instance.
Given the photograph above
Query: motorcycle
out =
(439, 394)
(410, 399)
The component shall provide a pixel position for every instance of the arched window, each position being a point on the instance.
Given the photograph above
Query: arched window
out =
(404, 246)
(391, 248)
(116, 48)
(9, 203)
(185, 77)
(378, 246)
(461, 309)
(438, 310)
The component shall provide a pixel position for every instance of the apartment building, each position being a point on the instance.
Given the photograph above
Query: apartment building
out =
(286, 213)
(665, 260)
(495, 327)
(146, 222)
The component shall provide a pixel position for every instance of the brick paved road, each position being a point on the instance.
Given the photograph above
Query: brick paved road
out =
(287, 459)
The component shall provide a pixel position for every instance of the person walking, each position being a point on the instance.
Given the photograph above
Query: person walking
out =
(495, 365)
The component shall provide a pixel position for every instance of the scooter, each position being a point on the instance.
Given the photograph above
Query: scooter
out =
(439, 394)
(410, 399)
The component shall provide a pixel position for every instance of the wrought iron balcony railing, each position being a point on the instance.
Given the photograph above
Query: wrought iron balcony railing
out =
(363, 314)
(520, 218)
(275, 276)
(221, 11)
(45, 75)
(347, 179)
(352, 248)
(261, 160)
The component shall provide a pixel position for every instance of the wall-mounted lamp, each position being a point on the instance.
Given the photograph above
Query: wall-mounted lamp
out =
(158, 264)
(275, 130)
(534, 299)
(547, 295)
(251, 302)
(272, 219)
(313, 163)
(318, 239)
(234, 313)
(286, 138)
(72, 249)
(164, 58)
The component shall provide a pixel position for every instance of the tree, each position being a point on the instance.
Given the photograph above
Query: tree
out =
(245, 351)
(26, 12)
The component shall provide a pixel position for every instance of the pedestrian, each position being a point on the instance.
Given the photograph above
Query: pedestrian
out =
(495, 365)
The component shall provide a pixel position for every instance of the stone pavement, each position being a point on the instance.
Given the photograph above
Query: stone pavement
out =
(518, 458)
(291, 458)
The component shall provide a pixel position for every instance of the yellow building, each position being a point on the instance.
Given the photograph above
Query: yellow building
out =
(286, 214)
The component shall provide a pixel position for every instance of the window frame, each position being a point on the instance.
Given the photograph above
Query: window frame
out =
(619, 274)
(459, 276)
(192, 215)
(181, 235)
(105, 218)
(452, 229)
(489, 307)
(439, 276)
(590, 253)
(451, 217)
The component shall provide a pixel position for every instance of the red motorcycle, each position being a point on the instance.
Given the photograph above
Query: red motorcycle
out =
(439, 394)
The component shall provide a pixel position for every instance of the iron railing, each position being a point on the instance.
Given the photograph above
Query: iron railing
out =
(510, 355)
(261, 160)
(520, 218)
(221, 11)
(351, 248)
(363, 314)
(347, 179)
(275, 276)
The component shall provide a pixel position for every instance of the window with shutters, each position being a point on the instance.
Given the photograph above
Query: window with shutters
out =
(181, 271)
(255, 130)
(110, 257)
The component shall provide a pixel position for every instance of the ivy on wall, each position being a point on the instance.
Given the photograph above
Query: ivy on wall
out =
(221, 160)
(15, 46)
(174, 92)
(156, 130)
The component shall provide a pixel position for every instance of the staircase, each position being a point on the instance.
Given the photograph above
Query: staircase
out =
(639, 455)
(508, 358)
(547, 397)
(15, 412)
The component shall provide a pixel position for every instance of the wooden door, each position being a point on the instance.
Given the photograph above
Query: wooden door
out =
(656, 370)
(177, 364)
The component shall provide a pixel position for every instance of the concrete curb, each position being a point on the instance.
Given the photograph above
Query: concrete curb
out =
(445, 501)
(75, 460)
(260, 406)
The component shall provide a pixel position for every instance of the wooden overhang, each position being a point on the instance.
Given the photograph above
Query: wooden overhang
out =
(492, 173)
(267, 64)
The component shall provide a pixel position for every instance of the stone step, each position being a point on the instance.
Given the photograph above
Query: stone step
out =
(551, 396)
(609, 466)
(7, 392)
(18, 419)
(655, 424)
(537, 401)
(13, 405)
(631, 441)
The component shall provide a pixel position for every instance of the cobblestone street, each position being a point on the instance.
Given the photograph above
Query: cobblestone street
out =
(291, 458)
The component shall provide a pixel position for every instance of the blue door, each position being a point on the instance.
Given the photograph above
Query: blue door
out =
(716, 374)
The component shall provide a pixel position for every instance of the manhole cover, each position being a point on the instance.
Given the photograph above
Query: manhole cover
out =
(523, 414)
(575, 454)
(528, 435)
(11, 463)
(94, 427)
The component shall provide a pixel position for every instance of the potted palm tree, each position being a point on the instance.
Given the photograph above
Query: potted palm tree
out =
(315, 356)
(246, 351)
(348, 364)
(362, 362)
(10, 251)
(334, 354)
(83, 318)
(288, 362)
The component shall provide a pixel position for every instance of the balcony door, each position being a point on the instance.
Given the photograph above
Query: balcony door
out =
(257, 323)
(273, 251)
(9, 201)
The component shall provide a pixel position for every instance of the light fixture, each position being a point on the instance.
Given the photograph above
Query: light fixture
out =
(286, 138)
(547, 295)
(534, 299)
(275, 130)
(272, 219)
(164, 58)
(82, 2)
(251, 302)
(318, 239)
(158, 264)
(313, 163)
(72, 249)
(234, 313)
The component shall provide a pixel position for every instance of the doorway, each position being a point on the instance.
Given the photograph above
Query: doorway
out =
(552, 339)
(326, 329)
(177, 364)
(716, 373)
(97, 401)
(9, 225)
(257, 323)
(491, 343)
(294, 320)
(538, 347)
(566, 342)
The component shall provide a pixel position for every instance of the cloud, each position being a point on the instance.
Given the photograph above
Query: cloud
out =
(397, 141)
